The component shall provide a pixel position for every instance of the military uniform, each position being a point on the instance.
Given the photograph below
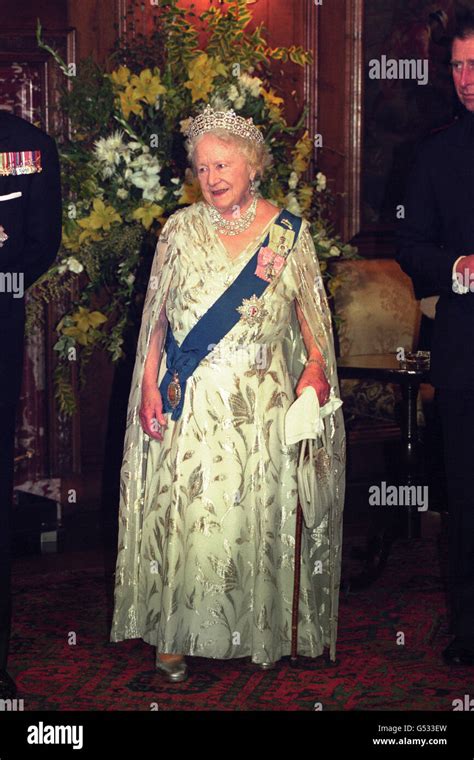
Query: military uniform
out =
(30, 234)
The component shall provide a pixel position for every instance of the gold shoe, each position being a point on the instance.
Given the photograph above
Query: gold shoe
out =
(266, 665)
(174, 671)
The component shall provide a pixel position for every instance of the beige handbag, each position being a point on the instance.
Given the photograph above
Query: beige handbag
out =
(315, 489)
(305, 422)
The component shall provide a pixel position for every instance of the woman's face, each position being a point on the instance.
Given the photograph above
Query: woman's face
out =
(223, 173)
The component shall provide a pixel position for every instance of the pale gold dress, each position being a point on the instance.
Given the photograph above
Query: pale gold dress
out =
(205, 561)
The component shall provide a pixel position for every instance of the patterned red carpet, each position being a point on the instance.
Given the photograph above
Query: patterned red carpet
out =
(62, 659)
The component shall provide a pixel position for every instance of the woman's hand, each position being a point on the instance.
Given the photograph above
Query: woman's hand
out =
(151, 412)
(313, 374)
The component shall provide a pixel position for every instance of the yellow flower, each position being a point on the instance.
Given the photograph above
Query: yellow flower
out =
(184, 124)
(147, 213)
(274, 105)
(305, 195)
(79, 335)
(72, 241)
(121, 76)
(147, 86)
(302, 153)
(270, 97)
(89, 235)
(202, 71)
(191, 192)
(101, 218)
(85, 320)
(130, 102)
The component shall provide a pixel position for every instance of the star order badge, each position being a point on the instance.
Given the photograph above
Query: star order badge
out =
(251, 310)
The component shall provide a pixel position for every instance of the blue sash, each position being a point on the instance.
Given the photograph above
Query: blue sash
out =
(181, 361)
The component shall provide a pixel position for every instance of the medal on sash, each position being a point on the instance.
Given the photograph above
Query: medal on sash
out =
(272, 257)
(174, 391)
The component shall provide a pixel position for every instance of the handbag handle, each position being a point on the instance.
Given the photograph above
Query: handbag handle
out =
(303, 451)
(327, 443)
(308, 443)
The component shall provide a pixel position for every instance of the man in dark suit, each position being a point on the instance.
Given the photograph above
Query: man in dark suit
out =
(436, 248)
(30, 234)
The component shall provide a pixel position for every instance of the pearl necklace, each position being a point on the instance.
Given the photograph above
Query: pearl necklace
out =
(233, 226)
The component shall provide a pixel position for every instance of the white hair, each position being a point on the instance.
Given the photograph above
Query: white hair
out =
(257, 155)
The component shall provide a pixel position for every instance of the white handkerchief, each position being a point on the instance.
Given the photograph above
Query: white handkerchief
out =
(304, 418)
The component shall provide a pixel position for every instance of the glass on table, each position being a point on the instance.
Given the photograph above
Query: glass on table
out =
(415, 361)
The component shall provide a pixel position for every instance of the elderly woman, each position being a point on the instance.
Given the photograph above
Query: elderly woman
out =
(235, 326)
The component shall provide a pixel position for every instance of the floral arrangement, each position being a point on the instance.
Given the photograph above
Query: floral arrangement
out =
(125, 171)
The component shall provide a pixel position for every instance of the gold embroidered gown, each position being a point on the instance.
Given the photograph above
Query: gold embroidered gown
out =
(207, 517)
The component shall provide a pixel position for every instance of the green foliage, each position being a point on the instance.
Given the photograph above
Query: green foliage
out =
(232, 42)
(63, 389)
(89, 103)
(181, 38)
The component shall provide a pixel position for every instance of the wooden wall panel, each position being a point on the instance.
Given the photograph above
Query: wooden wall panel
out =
(285, 24)
(339, 97)
(331, 88)
(96, 22)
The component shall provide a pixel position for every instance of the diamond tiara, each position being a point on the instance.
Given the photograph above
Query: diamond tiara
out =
(210, 119)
